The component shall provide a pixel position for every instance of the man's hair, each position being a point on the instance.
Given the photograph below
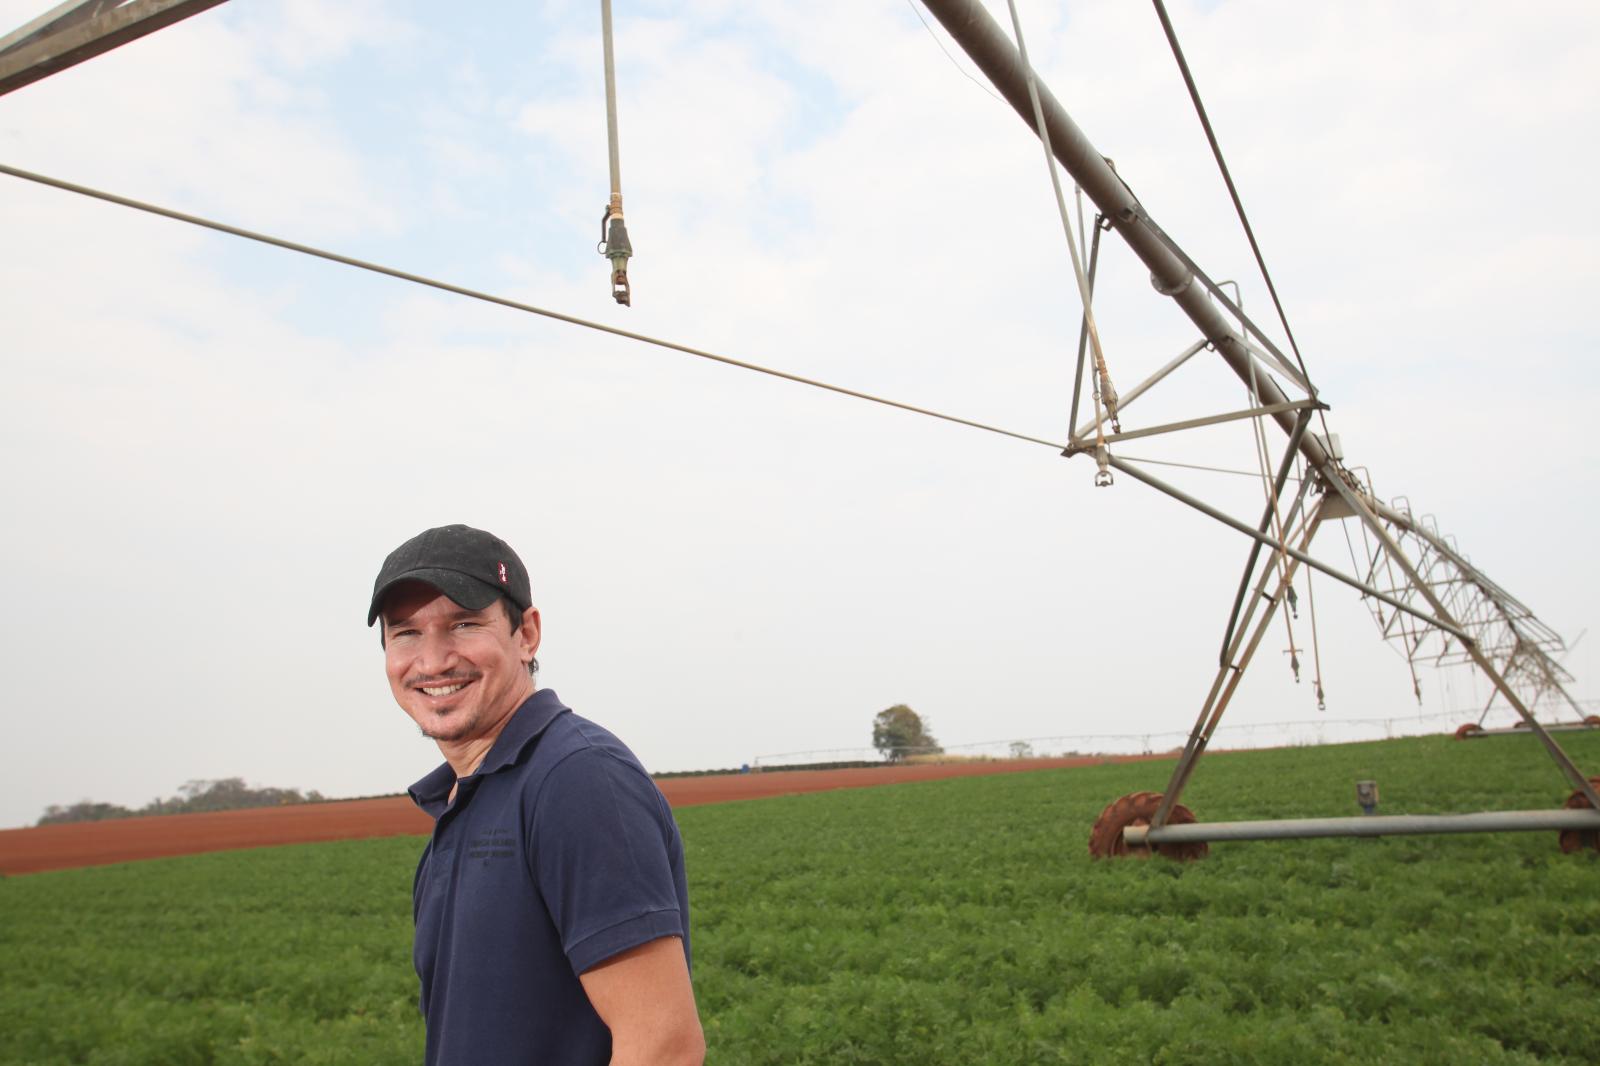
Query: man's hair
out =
(513, 615)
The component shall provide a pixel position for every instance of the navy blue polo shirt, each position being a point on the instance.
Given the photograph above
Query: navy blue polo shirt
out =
(558, 853)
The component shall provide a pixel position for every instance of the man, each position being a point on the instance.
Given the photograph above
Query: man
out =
(551, 910)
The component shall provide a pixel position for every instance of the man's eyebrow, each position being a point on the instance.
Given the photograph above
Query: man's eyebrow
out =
(454, 616)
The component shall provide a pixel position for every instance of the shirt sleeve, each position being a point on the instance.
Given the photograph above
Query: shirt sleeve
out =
(603, 840)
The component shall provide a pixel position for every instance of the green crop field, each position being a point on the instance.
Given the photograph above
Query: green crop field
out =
(949, 922)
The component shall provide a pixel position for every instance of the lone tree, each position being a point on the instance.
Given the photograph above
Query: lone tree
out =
(899, 731)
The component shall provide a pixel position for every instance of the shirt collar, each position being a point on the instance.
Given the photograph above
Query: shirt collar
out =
(527, 722)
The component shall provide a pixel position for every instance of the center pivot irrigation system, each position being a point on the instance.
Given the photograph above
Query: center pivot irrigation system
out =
(1424, 594)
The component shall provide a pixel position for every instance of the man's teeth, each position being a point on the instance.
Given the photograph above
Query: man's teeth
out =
(444, 690)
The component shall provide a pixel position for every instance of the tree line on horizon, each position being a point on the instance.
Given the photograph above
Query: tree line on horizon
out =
(898, 733)
(221, 794)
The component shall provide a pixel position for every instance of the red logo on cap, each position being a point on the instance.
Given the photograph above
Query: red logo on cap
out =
(502, 573)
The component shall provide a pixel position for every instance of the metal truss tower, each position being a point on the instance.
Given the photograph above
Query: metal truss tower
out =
(1425, 593)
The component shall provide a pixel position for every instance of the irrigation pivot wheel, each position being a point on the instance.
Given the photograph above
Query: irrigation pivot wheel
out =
(1577, 839)
(1137, 808)
(1467, 730)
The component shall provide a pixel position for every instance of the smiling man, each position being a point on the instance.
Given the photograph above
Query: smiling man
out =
(551, 908)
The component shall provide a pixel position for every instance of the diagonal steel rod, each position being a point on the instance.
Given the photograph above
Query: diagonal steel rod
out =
(1249, 531)
(1266, 520)
(1231, 654)
(1146, 385)
(1074, 447)
(1229, 674)
(1274, 360)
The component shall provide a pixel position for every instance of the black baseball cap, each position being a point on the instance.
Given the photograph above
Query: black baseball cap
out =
(470, 566)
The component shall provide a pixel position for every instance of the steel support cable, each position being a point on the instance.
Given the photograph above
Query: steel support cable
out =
(1083, 231)
(1316, 648)
(1355, 567)
(1415, 639)
(1266, 541)
(1302, 421)
(1214, 470)
(1104, 393)
(502, 301)
(1274, 506)
(1407, 630)
(1370, 557)
(1311, 604)
(1233, 192)
(914, 10)
(1284, 571)
(1269, 486)
(1488, 705)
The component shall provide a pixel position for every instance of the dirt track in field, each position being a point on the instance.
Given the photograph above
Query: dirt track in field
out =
(59, 847)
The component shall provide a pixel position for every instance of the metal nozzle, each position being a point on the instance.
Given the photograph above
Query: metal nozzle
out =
(1102, 458)
(619, 250)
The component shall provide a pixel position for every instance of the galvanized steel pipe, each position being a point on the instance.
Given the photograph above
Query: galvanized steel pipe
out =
(615, 156)
(1365, 826)
(983, 39)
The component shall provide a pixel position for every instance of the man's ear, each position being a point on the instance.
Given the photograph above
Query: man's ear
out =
(529, 632)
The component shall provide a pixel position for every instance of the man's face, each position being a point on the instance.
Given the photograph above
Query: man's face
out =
(458, 673)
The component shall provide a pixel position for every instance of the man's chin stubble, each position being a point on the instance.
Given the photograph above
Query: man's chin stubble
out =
(453, 729)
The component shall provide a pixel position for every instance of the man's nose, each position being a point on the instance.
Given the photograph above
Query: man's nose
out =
(437, 652)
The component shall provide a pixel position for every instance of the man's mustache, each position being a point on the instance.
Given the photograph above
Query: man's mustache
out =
(435, 680)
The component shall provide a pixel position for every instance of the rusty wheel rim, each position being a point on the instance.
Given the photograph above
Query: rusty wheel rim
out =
(1575, 840)
(1136, 809)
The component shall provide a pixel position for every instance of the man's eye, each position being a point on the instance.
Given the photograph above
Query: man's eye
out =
(399, 634)
(466, 625)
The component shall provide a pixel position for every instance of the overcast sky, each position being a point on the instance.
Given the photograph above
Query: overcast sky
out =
(209, 446)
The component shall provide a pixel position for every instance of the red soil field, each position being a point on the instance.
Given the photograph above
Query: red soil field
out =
(58, 847)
